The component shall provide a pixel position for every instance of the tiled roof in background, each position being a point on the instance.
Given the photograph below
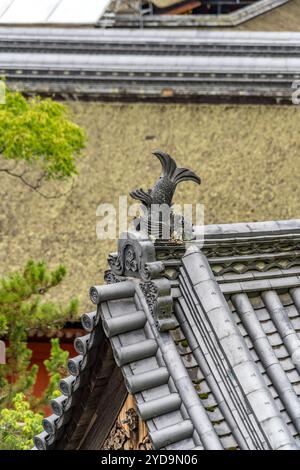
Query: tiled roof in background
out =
(51, 11)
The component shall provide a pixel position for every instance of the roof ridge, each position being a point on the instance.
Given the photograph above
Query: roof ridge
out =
(245, 229)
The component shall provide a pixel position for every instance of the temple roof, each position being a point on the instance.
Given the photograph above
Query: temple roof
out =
(202, 329)
(205, 336)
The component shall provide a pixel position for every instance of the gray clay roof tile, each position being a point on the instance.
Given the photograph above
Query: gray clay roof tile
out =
(228, 376)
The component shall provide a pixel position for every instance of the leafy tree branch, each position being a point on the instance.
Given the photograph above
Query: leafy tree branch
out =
(38, 141)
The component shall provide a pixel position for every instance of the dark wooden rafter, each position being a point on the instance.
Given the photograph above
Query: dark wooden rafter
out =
(100, 402)
(110, 401)
(96, 396)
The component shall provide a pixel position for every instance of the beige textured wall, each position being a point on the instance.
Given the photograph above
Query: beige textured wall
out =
(248, 158)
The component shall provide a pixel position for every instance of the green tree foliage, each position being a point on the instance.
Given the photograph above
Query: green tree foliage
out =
(37, 135)
(56, 368)
(23, 306)
(38, 143)
(18, 424)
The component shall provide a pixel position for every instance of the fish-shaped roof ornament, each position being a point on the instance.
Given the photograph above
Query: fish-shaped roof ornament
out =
(164, 189)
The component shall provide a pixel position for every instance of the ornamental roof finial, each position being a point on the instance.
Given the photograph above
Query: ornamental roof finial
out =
(162, 194)
(164, 189)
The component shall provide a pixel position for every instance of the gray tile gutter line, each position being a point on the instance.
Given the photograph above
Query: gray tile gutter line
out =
(183, 383)
(268, 358)
(219, 373)
(257, 394)
(284, 325)
(224, 401)
(295, 293)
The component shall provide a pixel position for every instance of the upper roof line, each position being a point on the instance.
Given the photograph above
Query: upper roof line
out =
(248, 229)
(207, 20)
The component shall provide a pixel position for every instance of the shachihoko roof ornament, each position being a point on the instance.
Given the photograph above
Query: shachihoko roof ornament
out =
(161, 195)
(163, 190)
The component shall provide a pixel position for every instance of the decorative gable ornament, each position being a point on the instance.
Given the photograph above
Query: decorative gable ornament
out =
(136, 255)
